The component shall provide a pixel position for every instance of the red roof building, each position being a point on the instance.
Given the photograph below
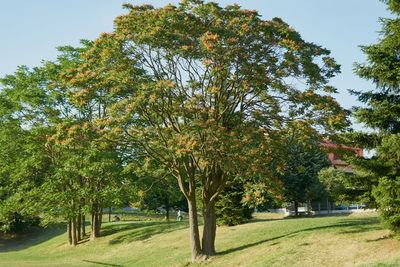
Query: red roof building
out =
(334, 156)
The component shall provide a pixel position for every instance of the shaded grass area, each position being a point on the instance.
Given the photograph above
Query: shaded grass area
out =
(130, 232)
(34, 237)
(268, 240)
(136, 215)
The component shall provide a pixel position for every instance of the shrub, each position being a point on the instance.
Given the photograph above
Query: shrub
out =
(14, 222)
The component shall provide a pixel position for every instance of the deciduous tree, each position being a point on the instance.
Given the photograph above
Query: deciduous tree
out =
(215, 89)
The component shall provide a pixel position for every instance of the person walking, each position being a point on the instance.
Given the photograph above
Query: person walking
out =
(179, 215)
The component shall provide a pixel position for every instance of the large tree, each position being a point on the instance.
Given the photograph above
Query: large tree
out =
(217, 84)
(381, 113)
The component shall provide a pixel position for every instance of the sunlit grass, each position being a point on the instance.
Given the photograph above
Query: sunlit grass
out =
(268, 240)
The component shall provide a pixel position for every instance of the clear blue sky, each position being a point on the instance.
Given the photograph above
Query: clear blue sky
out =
(30, 30)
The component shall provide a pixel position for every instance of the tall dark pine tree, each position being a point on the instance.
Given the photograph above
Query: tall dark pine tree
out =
(382, 114)
(230, 207)
(304, 159)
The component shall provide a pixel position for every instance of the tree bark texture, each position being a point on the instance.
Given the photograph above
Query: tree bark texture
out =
(194, 231)
(97, 215)
(69, 232)
(209, 229)
(79, 226)
(74, 235)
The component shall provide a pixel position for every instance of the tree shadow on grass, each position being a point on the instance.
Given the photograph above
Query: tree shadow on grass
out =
(358, 225)
(389, 236)
(34, 237)
(103, 263)
(361, 225)
(129, 232)
(117, 227)
(257, 220)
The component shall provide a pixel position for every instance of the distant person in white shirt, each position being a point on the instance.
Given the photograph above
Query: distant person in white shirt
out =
(179, 215)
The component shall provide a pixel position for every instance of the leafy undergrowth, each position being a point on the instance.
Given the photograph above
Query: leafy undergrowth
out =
(355, 240)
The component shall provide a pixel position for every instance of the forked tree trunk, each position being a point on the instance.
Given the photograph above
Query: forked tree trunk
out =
(96, 221)
(94, 229)
(209, 229)
(209, 196)
(194, 230)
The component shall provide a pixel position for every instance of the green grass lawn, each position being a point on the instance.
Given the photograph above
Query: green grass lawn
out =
(355, 240)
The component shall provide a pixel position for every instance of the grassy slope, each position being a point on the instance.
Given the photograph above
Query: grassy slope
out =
(321, 241)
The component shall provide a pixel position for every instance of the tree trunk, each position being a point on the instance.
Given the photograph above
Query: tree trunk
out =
(93, 221)
(296, 208)
(69, 232)
(99, 221)
(74, 236)
(209, 194)
(93, 232)
(209, 229)
(79, 226)
(96, 221)
(109, 214)
(189, 191)
(194, 230)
